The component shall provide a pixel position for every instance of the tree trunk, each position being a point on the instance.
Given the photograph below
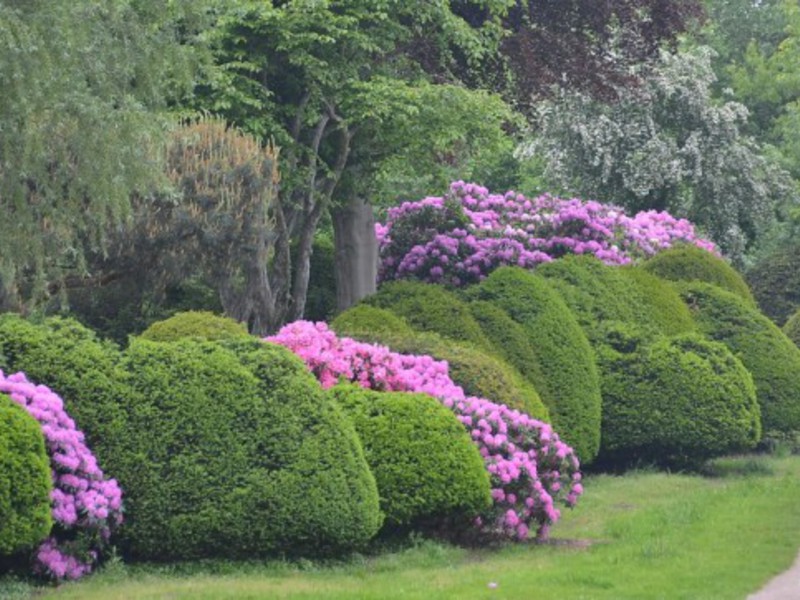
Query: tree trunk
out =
(356, 252)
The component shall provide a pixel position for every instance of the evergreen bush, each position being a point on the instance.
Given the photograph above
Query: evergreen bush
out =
(792, 328)
(775, 282)
(427, 469)
(202, 325)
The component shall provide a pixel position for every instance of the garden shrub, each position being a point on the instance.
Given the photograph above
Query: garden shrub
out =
(792, 328)
(232, 450)
(365, 320)
(427, 469)
(321, 296)
(478, 373)
(690, 263)
(570, 387)
(429, 307)
(25, 482)
(532, 471)
(664, 307)
(676, 401)
(68, 358)
(202, 325)
(86, 505)
(771, 357)
(775, 282)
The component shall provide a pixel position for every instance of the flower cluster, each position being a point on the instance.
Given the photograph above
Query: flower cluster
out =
(459, 239)
(531, 469)
(86, 506)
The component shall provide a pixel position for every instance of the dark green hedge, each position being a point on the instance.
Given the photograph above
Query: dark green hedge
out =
(675, 402)
(775, 281)
(772, 359)
(792, 328)
(202, 325)
(430, 307)
(687, 262)
(25, 481)
(427, 468)
(321, 296)
(570, 385)
(236, 452)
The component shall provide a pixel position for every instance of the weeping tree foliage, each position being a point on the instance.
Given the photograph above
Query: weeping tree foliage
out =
(84, 85)
(666, 145)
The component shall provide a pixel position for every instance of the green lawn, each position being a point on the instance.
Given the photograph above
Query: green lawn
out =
(643, 535)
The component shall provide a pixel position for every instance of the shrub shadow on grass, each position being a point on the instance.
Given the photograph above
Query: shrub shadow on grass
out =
(738, 466)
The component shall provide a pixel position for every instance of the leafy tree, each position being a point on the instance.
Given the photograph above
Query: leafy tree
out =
(668, 145)
(85, 85)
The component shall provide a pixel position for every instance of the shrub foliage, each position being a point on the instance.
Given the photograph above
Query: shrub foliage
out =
(202, 325)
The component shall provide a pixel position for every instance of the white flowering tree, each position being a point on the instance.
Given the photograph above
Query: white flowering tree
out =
(668, 145)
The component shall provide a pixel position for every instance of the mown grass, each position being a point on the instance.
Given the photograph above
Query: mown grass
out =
(641, 535)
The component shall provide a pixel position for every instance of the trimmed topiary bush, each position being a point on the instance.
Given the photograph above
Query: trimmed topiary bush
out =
(665, 308)
(570, 387)
(365, 320)
(25, 482)
(690, 263)
(202, 325)
(478, 373)
(234, 451)
(427, 469)
(321, 296)
(675, 402)
(430, 307)
(775, 282)
(792, 328)
(772, 359)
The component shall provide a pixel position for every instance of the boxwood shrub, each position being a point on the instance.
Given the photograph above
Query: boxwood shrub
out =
(775, 282)
(198, 324)
(235, 451)
(792, 328)
(479, 373)
(366, 320)
(570, 385)
(25, 481)
(428, 471)
(690, 263)
(676, 401)
(771, 357)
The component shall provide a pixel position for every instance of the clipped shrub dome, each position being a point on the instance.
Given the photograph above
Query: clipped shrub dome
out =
(202, 325)
(570, 386)
(792, 328)
(234, 451)
(675, 402)
(366, 320)
(775, 282)
(25, 482)
(690, 263)
(427, 469)
(772, 359)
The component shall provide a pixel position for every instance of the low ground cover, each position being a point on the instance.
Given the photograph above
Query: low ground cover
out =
(641, 535)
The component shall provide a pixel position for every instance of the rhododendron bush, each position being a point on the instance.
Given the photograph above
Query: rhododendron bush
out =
(531, 469)
(86, 506)
(460, 238)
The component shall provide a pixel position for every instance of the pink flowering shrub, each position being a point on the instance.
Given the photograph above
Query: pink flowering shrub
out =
(531, 469)
(86, 506)
(458, 239)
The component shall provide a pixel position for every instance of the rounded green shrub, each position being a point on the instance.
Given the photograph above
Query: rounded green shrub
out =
(25, 481)
(74, 363)
(771, 357)
(570, 385)
(233, 450)
(775, 281)
(676, 402)
(366, 320)
(202, 325)
(690, 263)
(479, 373)
(792, 328)
(321, 296)
(665, 309)
(427, 469)
(430, 307)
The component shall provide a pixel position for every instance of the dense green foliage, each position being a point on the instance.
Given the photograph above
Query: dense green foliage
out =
(25, 481)
(194, 324)
(596, 293)
(430, 307)
(570, 386)
(775, 281)
(236, 452)
(675, 402)
(70, 360)
(772, 359)
(364, 320)
(690, 263)
(792, 328)
(321, 298)
(427, 469)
